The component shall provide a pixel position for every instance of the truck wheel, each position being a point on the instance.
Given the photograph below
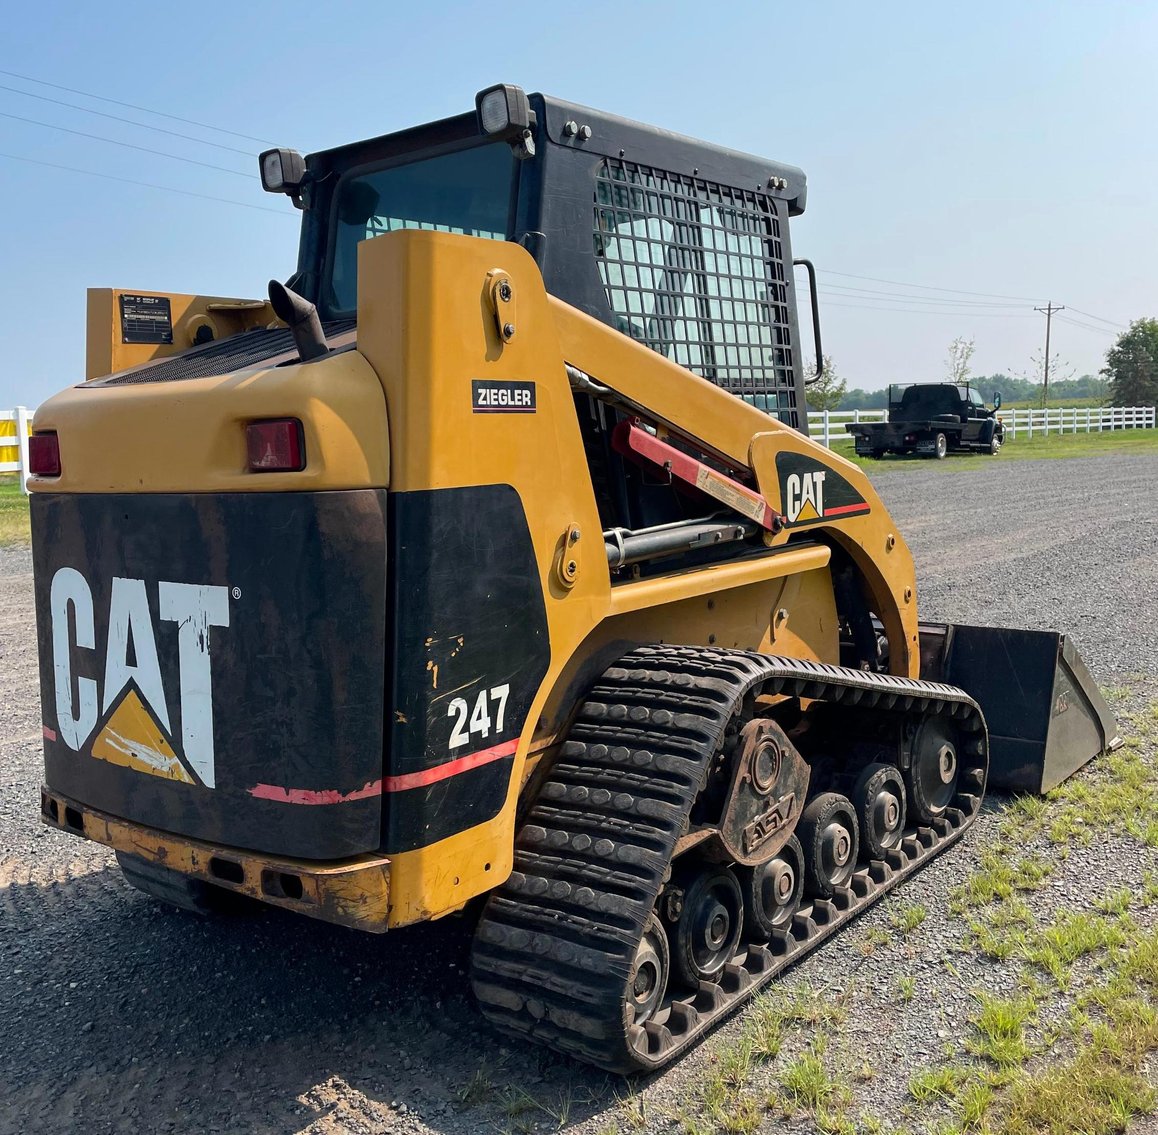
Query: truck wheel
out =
(878, 454)
(994, 445)
(940, 447)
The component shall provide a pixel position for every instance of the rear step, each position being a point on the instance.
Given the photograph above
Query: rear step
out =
(556, 943)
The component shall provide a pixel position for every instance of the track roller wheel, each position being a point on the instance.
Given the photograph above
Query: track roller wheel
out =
(707, 933)
(649, 973)
(828, 834)
(931, 777)
(879, 799)
(772, 891)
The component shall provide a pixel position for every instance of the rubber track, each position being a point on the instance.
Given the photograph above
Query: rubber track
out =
(555, 944)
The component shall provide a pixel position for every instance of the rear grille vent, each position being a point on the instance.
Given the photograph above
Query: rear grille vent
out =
(246, 349)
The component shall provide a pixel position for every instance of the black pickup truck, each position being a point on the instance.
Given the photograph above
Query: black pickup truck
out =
(932, 419)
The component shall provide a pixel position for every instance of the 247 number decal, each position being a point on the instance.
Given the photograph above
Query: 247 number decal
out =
(477, 722)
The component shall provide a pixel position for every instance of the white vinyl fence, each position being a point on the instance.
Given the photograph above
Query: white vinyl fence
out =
(823, 425)
(827, 425)
(15, 426)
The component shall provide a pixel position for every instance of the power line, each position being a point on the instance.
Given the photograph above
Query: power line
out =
(146, 184)
(918, 299)
(1086, 326)
(921, 287)
(925, 311)
(133, 106)
(1099, 319)
(127, 145)
(118, 118)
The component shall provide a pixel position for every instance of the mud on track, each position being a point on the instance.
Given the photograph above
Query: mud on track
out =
(117, 1015)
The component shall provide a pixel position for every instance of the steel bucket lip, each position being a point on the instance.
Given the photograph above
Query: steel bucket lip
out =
(1046, 716)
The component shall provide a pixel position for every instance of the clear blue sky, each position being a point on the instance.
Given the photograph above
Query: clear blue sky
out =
(988, 147)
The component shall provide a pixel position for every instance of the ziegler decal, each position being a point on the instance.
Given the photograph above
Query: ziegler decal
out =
(489, 397)
(811, 493)
(130, 702)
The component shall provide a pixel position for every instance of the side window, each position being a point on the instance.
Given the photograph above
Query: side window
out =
(695, 271)
(466, 191)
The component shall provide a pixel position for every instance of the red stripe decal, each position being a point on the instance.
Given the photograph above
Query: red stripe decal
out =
(451, 768)
(389, 784)
(846, 509)
(49, 734)
(314, 796)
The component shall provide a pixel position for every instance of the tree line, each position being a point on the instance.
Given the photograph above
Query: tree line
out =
(1129, 378)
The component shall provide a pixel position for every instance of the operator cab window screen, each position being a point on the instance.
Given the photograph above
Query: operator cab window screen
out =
(695, 271)
(466, 192)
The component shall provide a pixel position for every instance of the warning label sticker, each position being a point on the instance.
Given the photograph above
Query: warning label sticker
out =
(146, 319)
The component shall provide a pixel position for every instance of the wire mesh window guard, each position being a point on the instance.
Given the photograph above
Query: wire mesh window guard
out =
(695, 271)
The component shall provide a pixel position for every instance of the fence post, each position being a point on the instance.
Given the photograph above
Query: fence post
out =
(855, 417)
(827, 438)
(22, 420)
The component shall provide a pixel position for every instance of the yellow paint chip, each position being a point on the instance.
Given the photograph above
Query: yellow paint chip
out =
(132, 739)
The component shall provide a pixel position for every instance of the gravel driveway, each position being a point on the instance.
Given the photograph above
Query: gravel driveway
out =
(117, 1015)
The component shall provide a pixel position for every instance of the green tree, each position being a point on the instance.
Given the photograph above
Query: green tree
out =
(1132, 365)
(827, 391)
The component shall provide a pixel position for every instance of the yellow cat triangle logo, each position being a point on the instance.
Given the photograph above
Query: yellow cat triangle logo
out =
(132, 738)
(807, 512)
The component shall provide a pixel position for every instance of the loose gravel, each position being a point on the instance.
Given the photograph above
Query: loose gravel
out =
(118, 1015)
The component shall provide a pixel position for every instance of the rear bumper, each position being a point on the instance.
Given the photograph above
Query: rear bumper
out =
(352, 892)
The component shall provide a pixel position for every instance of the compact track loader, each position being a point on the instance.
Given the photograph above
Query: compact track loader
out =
(491, 560)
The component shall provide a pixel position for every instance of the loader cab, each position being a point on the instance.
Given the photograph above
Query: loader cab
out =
(681, 245)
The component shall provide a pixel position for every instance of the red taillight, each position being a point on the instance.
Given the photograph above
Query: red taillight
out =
(44, 455)
(275, 446)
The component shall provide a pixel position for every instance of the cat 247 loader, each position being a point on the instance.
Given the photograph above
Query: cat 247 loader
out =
(491, 559)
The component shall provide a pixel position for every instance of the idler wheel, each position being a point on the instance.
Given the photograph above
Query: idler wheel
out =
(879, 799)
(707, 933)
(829, 835)
(649, 973)
(772, 891)
(931, 777)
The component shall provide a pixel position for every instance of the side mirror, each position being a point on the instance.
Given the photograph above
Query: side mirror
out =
(997, 399)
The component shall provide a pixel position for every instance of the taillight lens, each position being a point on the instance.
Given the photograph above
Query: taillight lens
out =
(275, 445)
(44, 455)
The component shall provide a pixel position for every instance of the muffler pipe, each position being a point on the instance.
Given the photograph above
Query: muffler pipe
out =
(302, 317)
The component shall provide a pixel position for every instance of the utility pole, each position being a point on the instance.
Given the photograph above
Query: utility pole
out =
(1049, 311)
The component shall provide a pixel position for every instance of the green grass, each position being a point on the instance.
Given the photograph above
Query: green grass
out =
(13, 512)
(1072, 936)
(806, 1080)
(1015, 449)
(908, 918)
(999, 1029)
(1054, 404)
(997, 878)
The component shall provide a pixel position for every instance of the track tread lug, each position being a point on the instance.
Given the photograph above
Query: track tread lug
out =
(555, 945)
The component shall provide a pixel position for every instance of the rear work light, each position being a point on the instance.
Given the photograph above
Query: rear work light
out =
(44, 455)
(275, 445)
